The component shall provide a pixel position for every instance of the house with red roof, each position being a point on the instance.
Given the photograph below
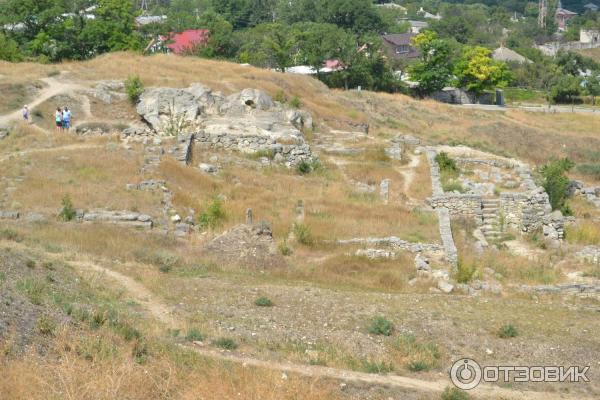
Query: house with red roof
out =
(187, 41)
(180, 42)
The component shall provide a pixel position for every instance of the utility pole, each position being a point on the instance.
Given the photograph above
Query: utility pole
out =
(542, 14)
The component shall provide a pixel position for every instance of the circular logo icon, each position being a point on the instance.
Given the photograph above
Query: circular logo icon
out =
(466, 374)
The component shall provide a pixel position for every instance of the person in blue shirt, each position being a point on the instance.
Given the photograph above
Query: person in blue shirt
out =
(66, 119)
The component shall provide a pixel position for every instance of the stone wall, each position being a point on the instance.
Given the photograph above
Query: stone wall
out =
(467, 205)
(527, 211)
(292, 153)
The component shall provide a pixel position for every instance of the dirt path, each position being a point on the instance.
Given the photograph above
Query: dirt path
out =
(54, 87)
(162, 312)
(409, 173)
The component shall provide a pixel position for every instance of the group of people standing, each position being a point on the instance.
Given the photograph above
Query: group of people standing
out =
(62, 117)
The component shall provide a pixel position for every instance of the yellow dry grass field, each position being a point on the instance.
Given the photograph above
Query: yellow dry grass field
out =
(333, 209)
(93, 174)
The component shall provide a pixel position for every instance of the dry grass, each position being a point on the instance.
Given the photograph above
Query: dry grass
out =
(94, 176)
(100, 366)
(584, 233)
(333, 209)
(175, 71)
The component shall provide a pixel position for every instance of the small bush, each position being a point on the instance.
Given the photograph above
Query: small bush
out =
(295, 102)
(213, 216)
(304, 168)
(225, 343)
(556, 183)
(452, 185)
(508, 331)
(68, 212)
(45, 325)
(280, 97)
(263, 302)
(284, 249)
(134, 88)
(30, 264)
(452, 393)
(445, 162)
(194, 335)
(303, 234)
(381, 326)
(465, 271)
(417, 366)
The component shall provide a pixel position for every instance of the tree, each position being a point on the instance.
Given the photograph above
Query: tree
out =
(434, 69)
(220, 43)
(556, 183)
(9, 49)
(592, 87)
(113, 29)
(477, 71)
(358, 16)
(269, 45)
(566, 89)
(320, 42)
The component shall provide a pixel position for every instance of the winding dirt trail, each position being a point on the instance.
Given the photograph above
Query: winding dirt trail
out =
(162, 313)
(54, 87)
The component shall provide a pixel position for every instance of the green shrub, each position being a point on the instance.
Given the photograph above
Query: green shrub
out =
(213, 216)
(303, 234)
(225, 343)
(30, 264)
(280, 97)
(465, 272)
(556, 183)
(451, 185)
(304, 168)
(194, 335)
(45, 325)
(295, 102)
(68, 212)
(508, 331)
(134, 88)
(263, 302)
(417, 366)
(452, 393)
(445, 162)
(284, 249)
(381, 326)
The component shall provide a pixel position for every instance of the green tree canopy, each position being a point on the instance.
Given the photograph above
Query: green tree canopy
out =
(434, 70)
(477, 71)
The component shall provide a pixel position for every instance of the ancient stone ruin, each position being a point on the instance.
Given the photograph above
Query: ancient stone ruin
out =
(497, 204)
(249, 122)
